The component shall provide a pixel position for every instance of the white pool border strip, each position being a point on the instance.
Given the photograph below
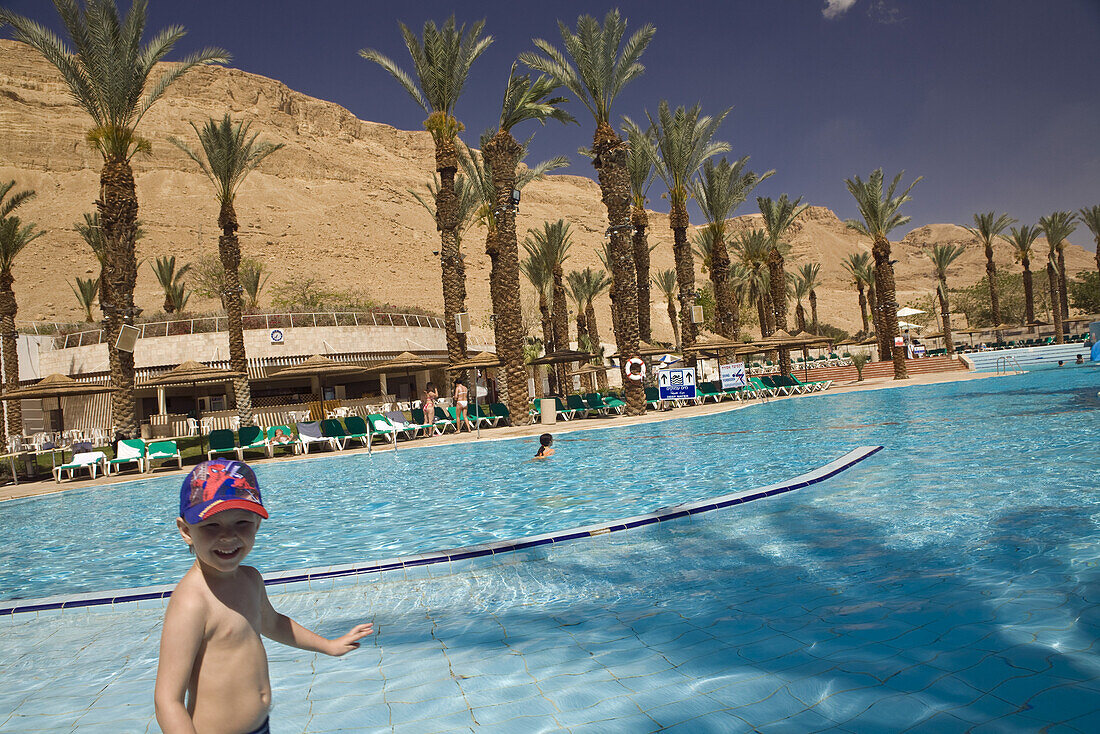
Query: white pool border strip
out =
(672, 512)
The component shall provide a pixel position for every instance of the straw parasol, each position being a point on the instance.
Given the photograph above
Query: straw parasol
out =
(562, 356)
(408, 361)
(319, 367)
(480, 361)
(645, 349)
(56, 386)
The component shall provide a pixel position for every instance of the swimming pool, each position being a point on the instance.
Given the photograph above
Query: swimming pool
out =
(948, 583)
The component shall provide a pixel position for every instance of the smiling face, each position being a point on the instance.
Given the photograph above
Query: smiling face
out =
(222, 541)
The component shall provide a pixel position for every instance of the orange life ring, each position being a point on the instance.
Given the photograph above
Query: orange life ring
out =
(631, 364)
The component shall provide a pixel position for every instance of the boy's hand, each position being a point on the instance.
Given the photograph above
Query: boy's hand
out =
(350, 641)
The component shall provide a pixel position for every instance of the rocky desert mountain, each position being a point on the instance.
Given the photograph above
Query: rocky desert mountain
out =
(333, 204)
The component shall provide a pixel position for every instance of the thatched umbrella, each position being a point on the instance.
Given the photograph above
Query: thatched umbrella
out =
(562, 356)
(192, 373)
(56, 386)
(320, 367)
(645, 349)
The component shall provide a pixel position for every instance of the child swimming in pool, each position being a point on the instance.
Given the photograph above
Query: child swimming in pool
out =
(212, 675)
(546, 446)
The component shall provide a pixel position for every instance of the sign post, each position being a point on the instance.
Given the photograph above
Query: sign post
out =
(676, 384)
(733, 375)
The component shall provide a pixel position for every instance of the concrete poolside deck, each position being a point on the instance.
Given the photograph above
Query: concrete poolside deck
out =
(49, 486)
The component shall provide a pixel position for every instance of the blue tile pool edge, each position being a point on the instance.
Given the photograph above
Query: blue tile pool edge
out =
(663, 514)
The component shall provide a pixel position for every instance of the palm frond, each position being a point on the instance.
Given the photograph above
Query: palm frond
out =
(1057, 227)
(229, 154)
(879, 213)
(684, 139)
(987, 226)
(14, 236)
(779, 214)
(722, 187)
(530, 100)
(16, 200)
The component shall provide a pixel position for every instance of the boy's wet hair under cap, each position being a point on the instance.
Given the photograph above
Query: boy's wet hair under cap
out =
(219, 485)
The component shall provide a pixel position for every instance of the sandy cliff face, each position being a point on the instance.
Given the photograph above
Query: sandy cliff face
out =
(333, 204)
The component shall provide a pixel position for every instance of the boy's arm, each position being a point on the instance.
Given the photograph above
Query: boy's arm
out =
(181, 636)
(282, 628)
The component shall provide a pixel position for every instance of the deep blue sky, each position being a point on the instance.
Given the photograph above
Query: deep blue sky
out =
(994, 102)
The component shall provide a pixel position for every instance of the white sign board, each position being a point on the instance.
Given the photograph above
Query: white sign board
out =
(733, 375)
(678, 384)
(277, 336)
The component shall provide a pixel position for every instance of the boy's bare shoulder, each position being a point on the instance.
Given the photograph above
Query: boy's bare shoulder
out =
(190, 594)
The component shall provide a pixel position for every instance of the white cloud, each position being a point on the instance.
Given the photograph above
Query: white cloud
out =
(836, 8)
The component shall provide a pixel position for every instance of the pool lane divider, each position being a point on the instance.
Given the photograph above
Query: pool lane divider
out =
(664, 514)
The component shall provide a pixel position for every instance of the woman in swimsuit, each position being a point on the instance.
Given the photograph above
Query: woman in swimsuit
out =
(427, 404)
(462, 405)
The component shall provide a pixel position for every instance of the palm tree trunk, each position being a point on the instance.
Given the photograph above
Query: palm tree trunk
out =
(639, 219)
(863, 308)
(945, 318)
(1063, 290)
(118, 209)
(777, 278)
(685, 277)
(800, 322)
(610, 162)
(1029, 297)
(230, 251)
(872, 302)
(594, 337)
(9, 336)
(725, 307)
(1055, 304)
(582, 331)
(675, 324)
(450, 260)
(547, 335)
(561, 326)
(888, 307)
(991, 275)
(503, 154)
(769, 314)
(813, 311)
(762, 315)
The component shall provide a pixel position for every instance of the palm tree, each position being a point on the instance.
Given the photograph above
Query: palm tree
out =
(441, 60)
(540, 274)
(640, 168)
(596, 283)
(551, 244)
(778, 217)
(229, 154)
(1091, 217)
(800, 290)
(86, 290)
(880, 215)
(665, 280)
(1056, 227)
(811, 272)
(1021, 240)
(684, 138)
(987, 227)
(752, 249)
(942, 256)
(14, 236)
(858, 266)
(108, 75)
(595, 66)
(253, 279)
(164, 268)
(578, 291)
(524, 100)
(720, 188)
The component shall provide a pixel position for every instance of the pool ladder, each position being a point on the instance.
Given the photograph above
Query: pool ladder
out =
(1003, 363)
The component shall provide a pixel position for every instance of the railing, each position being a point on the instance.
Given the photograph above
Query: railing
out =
(209, 324)
(1004, 362)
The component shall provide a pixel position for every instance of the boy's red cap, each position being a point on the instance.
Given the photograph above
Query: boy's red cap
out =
(219, 485)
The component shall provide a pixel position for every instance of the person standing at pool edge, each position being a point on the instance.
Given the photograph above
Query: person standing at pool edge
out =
(213, 675)
(462, 405)
(427, 404)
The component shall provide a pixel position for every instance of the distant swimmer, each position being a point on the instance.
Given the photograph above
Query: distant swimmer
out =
(546, 446)
(1080, 359)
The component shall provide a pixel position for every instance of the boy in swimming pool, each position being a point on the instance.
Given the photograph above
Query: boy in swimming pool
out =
(212, 675)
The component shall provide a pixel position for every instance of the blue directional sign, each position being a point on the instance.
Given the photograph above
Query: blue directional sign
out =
(678, 384)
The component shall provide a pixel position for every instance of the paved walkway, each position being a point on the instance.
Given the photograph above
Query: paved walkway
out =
(49, 486)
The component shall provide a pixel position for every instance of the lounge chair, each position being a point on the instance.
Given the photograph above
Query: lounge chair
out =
(596, 404)
(707, 390)
(477, 412)
(335, 430)
(577, 405)
(252, 437)
(381, 427)
(653, 398)
(89, 460)
(564, 411)
(355, 429)
(500, 410)
(222, 441)
(445, 421)
(429, 427)
(613, 403)
(402, 424)
(309, 434)
(128, 451)
(162, 450)
(285, 441)
(763, 389)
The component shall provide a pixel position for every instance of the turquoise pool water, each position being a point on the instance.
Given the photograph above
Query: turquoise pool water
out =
(948, 583)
